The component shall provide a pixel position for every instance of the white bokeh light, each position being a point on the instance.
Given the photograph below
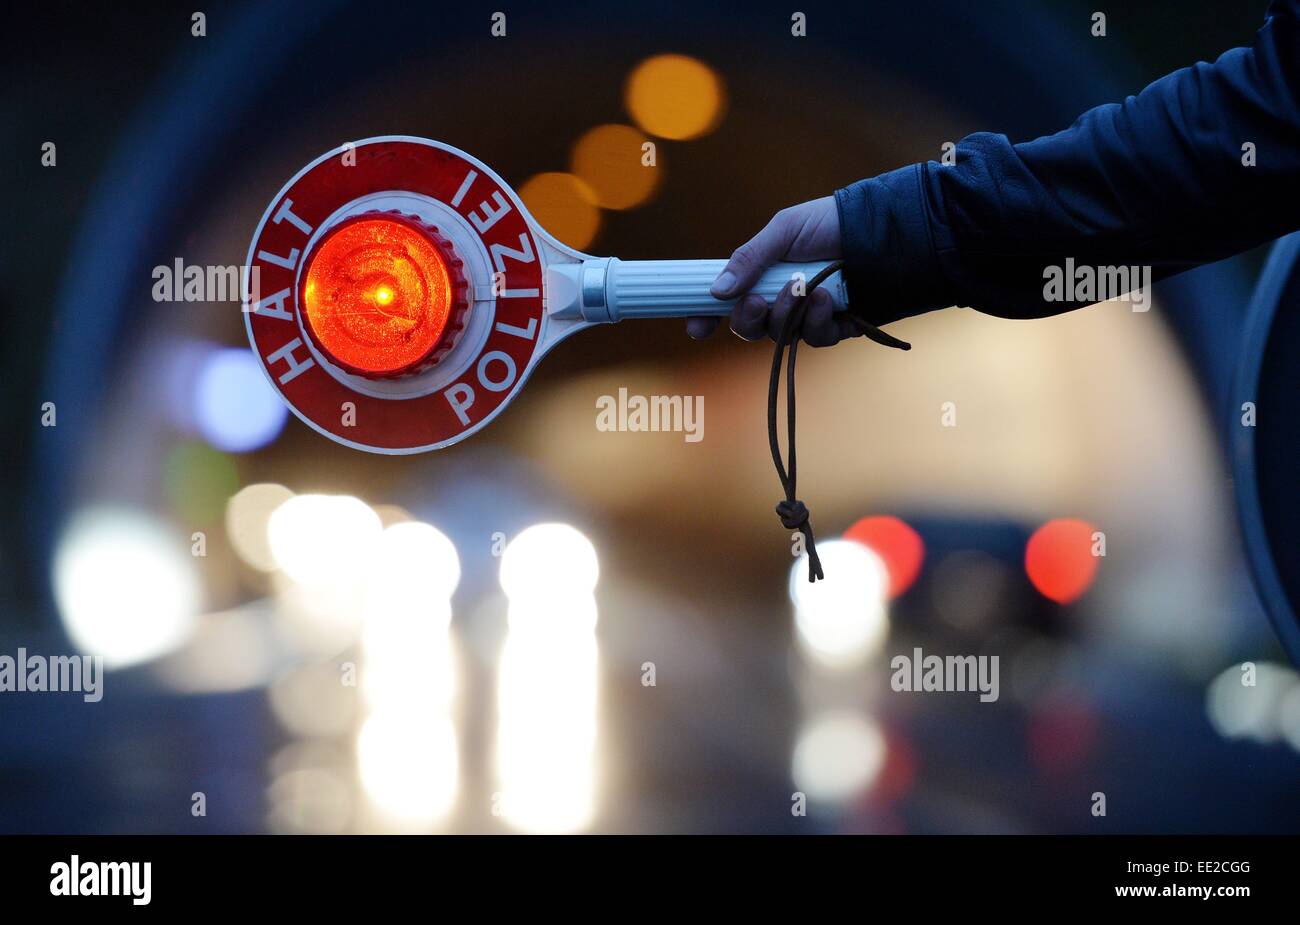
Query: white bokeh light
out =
(247, 513)
(1288, 715)
(406, 638)
(842, 618)
(409, 658)
(547, 560)
(548, 681)
(407, 750)
(1238, 710)
(323, 540)
(125, 585)
(546, 736)
(409, 767)
(838, 757)
(414, 563)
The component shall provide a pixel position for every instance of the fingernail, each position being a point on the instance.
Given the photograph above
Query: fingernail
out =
(723, 285)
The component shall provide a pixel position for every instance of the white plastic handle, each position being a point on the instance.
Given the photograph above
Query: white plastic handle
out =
(680, 288)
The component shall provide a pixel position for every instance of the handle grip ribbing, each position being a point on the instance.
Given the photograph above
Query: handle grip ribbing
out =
(680, 288)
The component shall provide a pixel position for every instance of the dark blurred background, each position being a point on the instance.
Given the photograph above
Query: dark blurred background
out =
(230, 672)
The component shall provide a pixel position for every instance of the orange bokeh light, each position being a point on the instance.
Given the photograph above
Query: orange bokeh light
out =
(564, 205)
(899, 547)
(674, 96)
(611, 161)
(377, 295)
(1059, 559)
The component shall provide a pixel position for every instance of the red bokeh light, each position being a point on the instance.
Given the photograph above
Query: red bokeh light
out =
(1062, 737)
(898, 776)
(899, 547)
(1059, 559)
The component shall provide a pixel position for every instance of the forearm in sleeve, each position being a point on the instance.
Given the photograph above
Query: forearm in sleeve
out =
(1162, 180)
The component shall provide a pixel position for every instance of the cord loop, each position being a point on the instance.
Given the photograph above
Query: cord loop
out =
(793, 512)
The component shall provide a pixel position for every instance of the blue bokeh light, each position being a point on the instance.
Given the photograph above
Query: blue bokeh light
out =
(236, 408)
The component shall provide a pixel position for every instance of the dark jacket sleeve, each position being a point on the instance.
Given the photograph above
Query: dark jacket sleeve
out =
(1159, 180)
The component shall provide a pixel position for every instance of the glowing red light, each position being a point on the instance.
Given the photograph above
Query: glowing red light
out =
(1059, 559)
(899, 547)
(381, 295)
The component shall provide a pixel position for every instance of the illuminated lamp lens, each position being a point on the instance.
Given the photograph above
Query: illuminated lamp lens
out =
(377, 295)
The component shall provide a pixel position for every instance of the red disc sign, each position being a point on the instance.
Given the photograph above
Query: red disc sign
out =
(504, 265)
